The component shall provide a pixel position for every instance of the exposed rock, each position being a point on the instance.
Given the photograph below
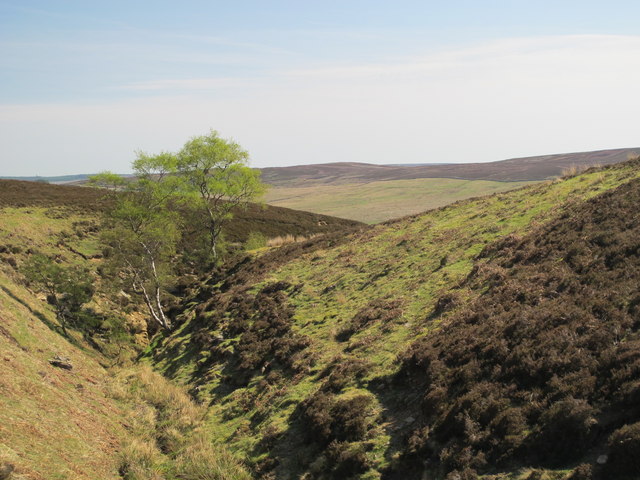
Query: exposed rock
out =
(5, 471)
(602, 459)
(61, 362)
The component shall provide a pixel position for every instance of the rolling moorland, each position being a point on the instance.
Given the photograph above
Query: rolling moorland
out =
(496, 337)
(375, 193)
(378, 201)
(525, 169)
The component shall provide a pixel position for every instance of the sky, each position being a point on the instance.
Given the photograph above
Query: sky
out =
(86, 84)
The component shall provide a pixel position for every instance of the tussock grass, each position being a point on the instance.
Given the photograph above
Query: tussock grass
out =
(167, 437)
(573, 170)
(201, 460)
(287, 239)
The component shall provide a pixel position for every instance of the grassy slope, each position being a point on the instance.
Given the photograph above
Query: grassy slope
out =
(57, 424)
(54, 423)
(383, 200)
(406, 265)
(84, 423)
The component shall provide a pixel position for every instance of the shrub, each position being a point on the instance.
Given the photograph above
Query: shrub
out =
(344, 371)
(329, 419)
(347, 460)
(380, 310)
(256, 240)
(564, 430)
(466, 474)
(351, 418)
(581, 472)
(67, 288)
(624, 446)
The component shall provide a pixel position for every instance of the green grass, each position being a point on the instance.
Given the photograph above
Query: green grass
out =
(414, 260)
(383, 200)
(79, 426)
(84, 423)
(54, 423)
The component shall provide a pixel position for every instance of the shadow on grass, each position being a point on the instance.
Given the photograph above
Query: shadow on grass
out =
(43, 318)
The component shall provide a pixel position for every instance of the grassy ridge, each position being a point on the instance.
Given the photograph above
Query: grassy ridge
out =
(383, 200)
(337, 318)
(270, 221)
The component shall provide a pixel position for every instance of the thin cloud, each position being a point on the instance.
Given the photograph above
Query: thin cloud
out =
(522, 49)
(514, 97)
(189, 84)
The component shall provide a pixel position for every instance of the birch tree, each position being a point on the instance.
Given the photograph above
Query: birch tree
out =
(217, 175)
(142, 229)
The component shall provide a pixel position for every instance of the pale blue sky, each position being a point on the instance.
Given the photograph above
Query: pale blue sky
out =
(83, 84)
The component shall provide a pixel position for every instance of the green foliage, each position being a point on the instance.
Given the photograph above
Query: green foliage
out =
(68, 288)
(108, 180)
(218, 179)
(256, 240)
(209, 177)
(142, 230)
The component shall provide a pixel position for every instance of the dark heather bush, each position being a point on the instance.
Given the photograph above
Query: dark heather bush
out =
(346, 460)
(564, 430)
(328, 419)
(581, 472)
(624, 447)
(546, 359)
(466, 474)
(380, 311)
(343, 371)
(268, 342)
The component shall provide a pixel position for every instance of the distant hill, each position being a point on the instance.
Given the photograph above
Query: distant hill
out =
(512, 170)
(54, 179)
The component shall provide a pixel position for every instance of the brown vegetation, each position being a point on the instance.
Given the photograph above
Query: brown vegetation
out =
(543, 367)
(270, 221)
(517, 169)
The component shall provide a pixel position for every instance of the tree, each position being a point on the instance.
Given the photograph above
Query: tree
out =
(67, 288)
(168, 196)
(218, 180)
(141, 229)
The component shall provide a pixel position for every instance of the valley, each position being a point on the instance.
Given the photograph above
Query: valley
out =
(494, 338)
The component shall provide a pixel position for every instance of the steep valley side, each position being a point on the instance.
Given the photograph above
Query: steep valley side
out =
(309, 357)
